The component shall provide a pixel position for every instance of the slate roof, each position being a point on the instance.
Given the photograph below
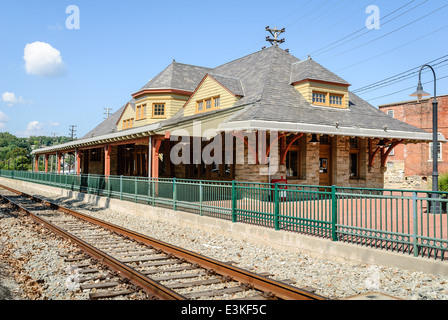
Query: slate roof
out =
(309, 69)
(264, 79)
(233, 84)
(178, 76)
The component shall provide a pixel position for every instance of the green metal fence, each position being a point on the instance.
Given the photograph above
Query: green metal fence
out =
(396, 220)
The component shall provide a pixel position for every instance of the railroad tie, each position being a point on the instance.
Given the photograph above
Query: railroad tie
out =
(99, 285)
(108, 294)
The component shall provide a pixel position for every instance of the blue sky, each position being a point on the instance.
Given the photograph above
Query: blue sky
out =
(70, 75)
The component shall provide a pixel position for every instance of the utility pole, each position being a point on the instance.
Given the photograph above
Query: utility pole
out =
(275, 33)
(72, 131)
(107, 112)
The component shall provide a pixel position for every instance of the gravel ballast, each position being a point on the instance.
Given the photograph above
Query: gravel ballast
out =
(326, 277)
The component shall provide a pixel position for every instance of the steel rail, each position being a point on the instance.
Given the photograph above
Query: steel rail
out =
(151, 287)
(271, 287)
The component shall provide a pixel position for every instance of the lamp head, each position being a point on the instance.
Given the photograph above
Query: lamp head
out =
(419, 93)
(314, 139)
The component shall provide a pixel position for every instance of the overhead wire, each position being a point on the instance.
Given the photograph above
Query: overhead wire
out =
(410, 88)
(399, 75)
(403, 78)
(314, 9)
(338, 22)
(316, 52)
(260, 43)
(389, 33)
(322, 15)
(391, 50)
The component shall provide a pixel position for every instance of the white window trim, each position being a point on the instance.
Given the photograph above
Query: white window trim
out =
(430, 153)
(391, 114)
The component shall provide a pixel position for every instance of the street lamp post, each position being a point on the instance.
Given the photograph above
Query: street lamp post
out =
(435, 144)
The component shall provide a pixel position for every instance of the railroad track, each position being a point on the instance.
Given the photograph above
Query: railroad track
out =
(116, 261)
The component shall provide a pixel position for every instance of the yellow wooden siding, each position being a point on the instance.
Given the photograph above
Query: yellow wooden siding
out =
(173, 103)
(306, 90)
(128, 113)
(209, 89)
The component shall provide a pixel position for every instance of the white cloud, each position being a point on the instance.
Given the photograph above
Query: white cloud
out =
(41, 59)
(3, 120)
(34, 128)
(10, 99)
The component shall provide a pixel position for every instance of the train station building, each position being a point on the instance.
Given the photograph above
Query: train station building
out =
(264, 117)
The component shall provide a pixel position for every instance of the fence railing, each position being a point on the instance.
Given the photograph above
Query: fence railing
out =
(408, 221)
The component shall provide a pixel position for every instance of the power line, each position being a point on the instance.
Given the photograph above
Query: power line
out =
(317, 52)
(389, 51)
(338, 22)
(385, 35)
(259, 43)
(390, 94)
(315, 9)
(401, 79)
(321, 16)
(399, 75)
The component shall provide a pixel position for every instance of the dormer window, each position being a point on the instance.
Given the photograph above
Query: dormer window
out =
(328, 99)
(208, 104)
(200, 106)
(129, 123)
(320, 98)
(335, 100)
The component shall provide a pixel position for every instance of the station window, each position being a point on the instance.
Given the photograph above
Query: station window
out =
(158, 110)
(128, 123)
(439, 151)
(319, 98)
(208, 104)
(199, 106)
(354, 158)
(293, 160)
(141, 112)
(328, 99)
(335, 100)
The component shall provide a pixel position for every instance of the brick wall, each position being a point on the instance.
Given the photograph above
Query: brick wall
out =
(410, 164)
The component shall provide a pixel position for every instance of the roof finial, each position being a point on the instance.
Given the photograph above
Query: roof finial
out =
(275, 33)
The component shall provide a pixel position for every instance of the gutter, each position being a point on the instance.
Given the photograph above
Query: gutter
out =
(133, 133)
(330, 130)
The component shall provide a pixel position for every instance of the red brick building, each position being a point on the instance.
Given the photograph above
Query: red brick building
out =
(411, 164)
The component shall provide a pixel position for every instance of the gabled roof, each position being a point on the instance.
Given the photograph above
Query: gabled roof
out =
(232, 84)
(130, 104)
(311, 70)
